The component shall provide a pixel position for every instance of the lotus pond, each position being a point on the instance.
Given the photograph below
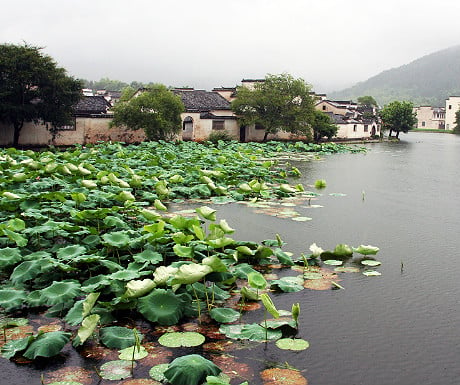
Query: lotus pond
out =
(218, 264)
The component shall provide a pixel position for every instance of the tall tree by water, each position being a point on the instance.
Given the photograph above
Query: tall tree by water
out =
(399, 117)
(280, 102)
(156, 111)
(33, 88)
(457, 123)
(323, 126)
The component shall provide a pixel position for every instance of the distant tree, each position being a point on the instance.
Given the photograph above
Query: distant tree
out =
(457, 123)
(156, 111)
(280, 102)
(34, 88)
(398, 116)
(367, 101)
(323, 126)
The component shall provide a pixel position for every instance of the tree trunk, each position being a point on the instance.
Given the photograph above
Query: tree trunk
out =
(265, 136)
(17, 131)
(397, 134)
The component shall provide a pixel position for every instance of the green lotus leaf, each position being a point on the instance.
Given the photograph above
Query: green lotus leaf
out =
(157, 372)
(10, 349)
(225, 227)
(133, 352)
(70, 252)
(206, 213)
(256, 280)
(118, 337)
(86, 329)
(220, 242)
(283, 257)
(149, 256)
(163, 273)
(191, 369)
(60, 292)
(292, 344)
(179, 339)
(252, 332)
(47, 345)
(371, 273)
(161, 306)
(244, 250)
(249, 294)
(279, 323)
(138, 288)
(224, 314)
(124, 275)
(269, 305)
(118, 239)
(198, 231)
(333, 262)
(159, 205)
(312, 275)
(215, 263)
(342, 250)
(288, 284)
(26, 271)
(366, 250)
(11, 299)
(370, 262)
(9, 257)
(8, 322)
(116, 370)
(124, 196)
(183, 251)
(150, 215)
(190, 273)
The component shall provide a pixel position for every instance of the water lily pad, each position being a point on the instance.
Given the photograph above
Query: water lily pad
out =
(371, 273)
(157, 372)
(178, 339)
(338, 195)
(224, 314)
(278, 376)
(370, 262)
(333, 262)
(116, 370)
(127, 353)
(302, 219)
(312, 275)
(292, 344)
(347, 269)
(289, 284)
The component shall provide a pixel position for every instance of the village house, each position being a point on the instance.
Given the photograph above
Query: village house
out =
(452, 106)
(430, 117)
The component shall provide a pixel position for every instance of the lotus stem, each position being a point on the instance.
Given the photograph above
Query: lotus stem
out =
(198, 304)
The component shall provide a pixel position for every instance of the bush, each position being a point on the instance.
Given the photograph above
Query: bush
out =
(215, 136)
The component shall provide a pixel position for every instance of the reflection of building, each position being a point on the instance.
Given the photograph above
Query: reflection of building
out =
(430, 117)
(452, 106)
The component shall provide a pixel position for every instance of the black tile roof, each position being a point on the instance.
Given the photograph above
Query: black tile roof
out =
(92, 105)
(201, 101)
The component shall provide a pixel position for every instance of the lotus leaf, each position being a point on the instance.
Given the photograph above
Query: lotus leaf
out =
(288, 284)
(9, 257)
(26, 271)
(366, 250)
(139, 288)
(133, 352)
(157, 372)
(333, 262)
(60, 292)
(70, 252)
(10, 349)
(342, 250)
(163, 273)
(87, 328)
(11, 299)
(371, 273)
(370, 262)
(292, 344)
(118, 337)
(47, 345)
(118, 239)
(190, 370)
(183, 251)
(269, 305)
(220, 242)
(161, 306)
(116, 370)
(206, 213)
(224, 315)
(257, 280)
(283, 257)
(249, 294)
(190, 273)
(149, 256)
(124, 275)
(215, 263)
(178, 339)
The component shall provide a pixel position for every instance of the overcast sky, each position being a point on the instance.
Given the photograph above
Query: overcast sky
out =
(212, 43)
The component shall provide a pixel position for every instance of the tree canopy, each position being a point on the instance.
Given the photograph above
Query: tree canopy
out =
(280, 102)
(156, 111)
(323, 126)
(34, 88)
(398, 116)
(457, 123)
(367, 101)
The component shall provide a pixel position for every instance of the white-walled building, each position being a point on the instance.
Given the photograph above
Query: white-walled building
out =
(452, 106)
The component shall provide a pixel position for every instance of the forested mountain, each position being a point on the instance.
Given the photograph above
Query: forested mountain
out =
(428, 80)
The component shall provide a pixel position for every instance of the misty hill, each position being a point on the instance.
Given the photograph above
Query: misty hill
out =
(428, 80)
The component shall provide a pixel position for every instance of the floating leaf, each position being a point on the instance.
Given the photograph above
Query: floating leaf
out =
(178, 339)
(292, 344)
(161, 306)
(288, 284)
(190, 370)
(257, 280)
(133, 352)
(302, 219)
(371, 273)
(116, 370)
(333, 262)
(370, 262)
(157, 372)
(366, 250)
(347, 269)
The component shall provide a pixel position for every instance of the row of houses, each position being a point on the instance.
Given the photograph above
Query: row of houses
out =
(205, 112)
(438, 118)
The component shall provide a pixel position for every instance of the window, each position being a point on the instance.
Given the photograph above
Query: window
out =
(423, 124)
(355, 126)
(366, 128)
(218, 124)
(258, 126)
(450, 106)
(324, 108)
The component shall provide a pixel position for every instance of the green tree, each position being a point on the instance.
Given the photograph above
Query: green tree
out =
(367, 101)
(156, 111)
(457, 123)
(34, 88)
(398, 116)
(280, 102)
(323, 126)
